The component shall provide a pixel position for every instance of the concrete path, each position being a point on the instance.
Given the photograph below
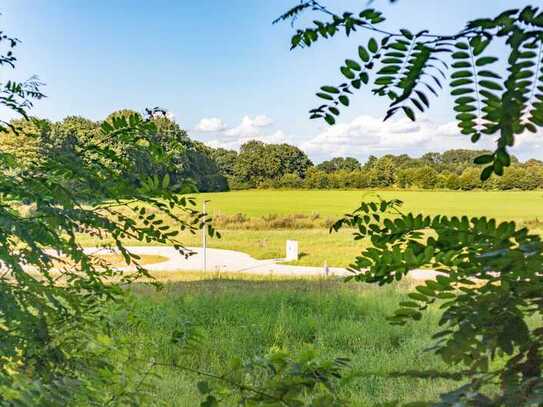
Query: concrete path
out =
(230, 261)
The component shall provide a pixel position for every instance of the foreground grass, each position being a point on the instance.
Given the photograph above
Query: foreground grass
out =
(245, 318)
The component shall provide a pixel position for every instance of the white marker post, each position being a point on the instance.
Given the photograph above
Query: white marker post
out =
(292, 250)
(204, 239)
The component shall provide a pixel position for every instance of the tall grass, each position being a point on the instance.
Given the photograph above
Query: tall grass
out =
(240, 318)
(272, 221)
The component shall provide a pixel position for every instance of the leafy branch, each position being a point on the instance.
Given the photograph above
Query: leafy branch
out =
(484, 102)
(488, 286)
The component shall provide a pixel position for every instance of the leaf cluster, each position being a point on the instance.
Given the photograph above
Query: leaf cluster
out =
(278, 379)
(489, 287)
(55, 343)
(408, 67)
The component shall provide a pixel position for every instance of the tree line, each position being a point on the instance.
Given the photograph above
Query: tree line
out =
(189, 164)
(260, 165)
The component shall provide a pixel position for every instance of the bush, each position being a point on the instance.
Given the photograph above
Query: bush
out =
(292, 181)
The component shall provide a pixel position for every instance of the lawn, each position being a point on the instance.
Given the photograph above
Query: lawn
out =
(510, 205)
(318, 246)
(246, 318)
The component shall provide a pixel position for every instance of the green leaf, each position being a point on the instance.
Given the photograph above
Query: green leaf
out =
(460, 82)
(330, 119)
(490, 85)
(330, 89)
(464, 99)
(409, 112)
(462, 74)
(353, 65)
(460, 55)
(324, 96)
(347, 72)
(406, 33)
(487, 172)
(344, 100)
(489, 74)
(485, 61)
(372, 45)
(166, 181)
(479, 45)
(423, 98)
(363, 53)
(461, 64)
(484, 159)
(398, 46)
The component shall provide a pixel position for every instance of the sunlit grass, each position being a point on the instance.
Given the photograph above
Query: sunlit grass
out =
(246, 317)
(318, 246)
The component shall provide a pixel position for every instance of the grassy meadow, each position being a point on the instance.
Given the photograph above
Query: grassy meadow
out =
(246, 318)
(503, 205)
(318, 246)
(259, 222)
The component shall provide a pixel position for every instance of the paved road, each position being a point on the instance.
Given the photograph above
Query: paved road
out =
(226, 261)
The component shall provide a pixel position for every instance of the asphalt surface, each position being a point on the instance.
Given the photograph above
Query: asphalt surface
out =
(230, 261)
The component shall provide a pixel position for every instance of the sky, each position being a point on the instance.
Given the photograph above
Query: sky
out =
(226, 73)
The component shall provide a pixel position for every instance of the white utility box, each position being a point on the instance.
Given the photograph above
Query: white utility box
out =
(292, 250)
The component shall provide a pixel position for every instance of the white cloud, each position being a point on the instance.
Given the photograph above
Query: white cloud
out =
(276, 137)
(216, 143)
(367, 135)
(262, 120)
(249, 127)
(210, 124)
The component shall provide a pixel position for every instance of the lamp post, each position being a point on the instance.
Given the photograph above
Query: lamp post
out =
(204, 239)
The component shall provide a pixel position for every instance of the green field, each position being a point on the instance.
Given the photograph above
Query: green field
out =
(338, 249)
(318, 246)
(241, 318)
(515, 205)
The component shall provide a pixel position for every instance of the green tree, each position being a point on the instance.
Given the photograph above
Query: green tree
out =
(316, 179)
(426, 177)
(225, 159)
(383, 172)
(55, 342)
(339, 163)
(258, 162)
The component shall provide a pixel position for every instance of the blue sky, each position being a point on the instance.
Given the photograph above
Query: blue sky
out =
(224, 71)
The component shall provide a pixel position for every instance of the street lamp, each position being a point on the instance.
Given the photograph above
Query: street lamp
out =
(204, 238)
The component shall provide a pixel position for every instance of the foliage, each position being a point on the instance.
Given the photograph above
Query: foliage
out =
(258, 162)
(264, 166)
(408, 66)
(15, 96)
(225, 160)
(490, 282)
(338, 164)
(247, 317)
(184, 160)
(452, 169)
(489, 290)
(280, 379)
(54, 336)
